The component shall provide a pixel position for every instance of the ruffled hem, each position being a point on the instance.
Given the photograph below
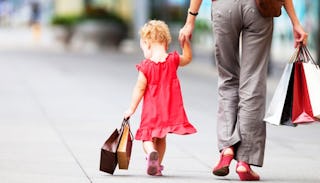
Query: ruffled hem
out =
(147, 134)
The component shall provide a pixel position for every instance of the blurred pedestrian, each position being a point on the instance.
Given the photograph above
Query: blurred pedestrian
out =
(158, 84)
(241, 78)
(35, 17)
(6, 9)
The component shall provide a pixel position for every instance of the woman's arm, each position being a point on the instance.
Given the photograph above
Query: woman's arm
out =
(187, 29)
(300, 36)
(137, 94)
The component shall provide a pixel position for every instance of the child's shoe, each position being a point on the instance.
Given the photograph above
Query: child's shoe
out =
(153, 163)
(159, 173)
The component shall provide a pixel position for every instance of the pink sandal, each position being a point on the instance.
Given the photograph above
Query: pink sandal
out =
(153, 163)
(159, 173)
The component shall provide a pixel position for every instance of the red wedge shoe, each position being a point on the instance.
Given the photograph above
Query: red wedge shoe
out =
(248, 174)
(222, 169)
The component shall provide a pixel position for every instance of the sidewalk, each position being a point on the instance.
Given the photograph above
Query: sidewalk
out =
(57, 109)
(22, 37)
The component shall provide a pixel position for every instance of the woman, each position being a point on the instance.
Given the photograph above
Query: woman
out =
(242, 78)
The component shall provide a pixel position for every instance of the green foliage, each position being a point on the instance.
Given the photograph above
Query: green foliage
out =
(102, 15)
(91, 13)
(65, 20)
(203, 25)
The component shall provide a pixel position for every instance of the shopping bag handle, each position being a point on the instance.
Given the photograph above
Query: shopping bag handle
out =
(302, 54)
(308, 56)
(295, 55)
(126, 121)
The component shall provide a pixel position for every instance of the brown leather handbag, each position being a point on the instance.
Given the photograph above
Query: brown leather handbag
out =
(269, 8)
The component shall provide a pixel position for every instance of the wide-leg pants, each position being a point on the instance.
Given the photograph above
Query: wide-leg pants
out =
(242, 49)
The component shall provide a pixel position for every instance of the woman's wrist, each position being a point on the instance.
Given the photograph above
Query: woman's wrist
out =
(190, 19)
(192, 12)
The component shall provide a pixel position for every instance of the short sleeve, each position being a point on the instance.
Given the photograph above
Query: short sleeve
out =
(142, 67)
(176, 58)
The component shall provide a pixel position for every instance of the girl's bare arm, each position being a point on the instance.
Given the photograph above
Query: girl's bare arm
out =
(186, 56)
(137, 94)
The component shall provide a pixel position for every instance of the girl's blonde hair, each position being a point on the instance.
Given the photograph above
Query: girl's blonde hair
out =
(156, 31)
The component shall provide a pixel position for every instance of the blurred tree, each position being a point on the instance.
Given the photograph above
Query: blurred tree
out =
(87, 2)
(170, 11)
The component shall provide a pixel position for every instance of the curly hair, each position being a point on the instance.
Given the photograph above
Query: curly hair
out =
(156, 31)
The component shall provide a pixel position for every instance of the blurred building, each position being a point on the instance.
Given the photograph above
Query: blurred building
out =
(70, 7)
(137, 12)
(73, 7)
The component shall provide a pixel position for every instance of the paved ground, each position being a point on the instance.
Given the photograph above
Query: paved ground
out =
(57, 108)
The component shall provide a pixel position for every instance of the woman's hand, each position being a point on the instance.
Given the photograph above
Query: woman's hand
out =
(300, 36)
(185, 33)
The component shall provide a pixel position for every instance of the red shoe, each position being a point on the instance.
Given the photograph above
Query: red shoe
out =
(248, 174)
(222, 169)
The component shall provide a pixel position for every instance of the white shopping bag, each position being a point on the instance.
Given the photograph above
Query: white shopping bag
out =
(275, 109)
(312, 74)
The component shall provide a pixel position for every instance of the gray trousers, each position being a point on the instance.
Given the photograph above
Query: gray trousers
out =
(242, 45)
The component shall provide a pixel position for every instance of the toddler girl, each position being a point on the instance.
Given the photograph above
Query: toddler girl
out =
(158, 85)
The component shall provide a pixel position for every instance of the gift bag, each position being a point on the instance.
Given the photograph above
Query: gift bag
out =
(276, 106)
(312, 75)
(287, 107)
(301, 106)
(108, 157)
(125, 146)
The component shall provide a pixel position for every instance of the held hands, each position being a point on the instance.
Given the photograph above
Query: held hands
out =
(185, 33)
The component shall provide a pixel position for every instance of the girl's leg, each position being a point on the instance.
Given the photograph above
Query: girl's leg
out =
(152, 157)
(148, 147)
(160, 146)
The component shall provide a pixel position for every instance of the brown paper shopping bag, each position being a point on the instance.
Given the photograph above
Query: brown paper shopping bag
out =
(108, 157)
(125, 146)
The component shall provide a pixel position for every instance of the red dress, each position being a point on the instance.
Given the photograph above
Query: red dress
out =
(162, 109)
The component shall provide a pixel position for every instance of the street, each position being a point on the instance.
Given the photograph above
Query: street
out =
(57, 108)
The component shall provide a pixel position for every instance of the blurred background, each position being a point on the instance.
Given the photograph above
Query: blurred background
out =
(67, 69)
(97, 25)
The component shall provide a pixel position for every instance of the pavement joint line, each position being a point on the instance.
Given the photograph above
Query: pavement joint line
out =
(56, 130)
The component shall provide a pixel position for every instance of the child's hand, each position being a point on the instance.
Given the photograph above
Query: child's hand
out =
(128, 113)
(186, 43)
(186, 56)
